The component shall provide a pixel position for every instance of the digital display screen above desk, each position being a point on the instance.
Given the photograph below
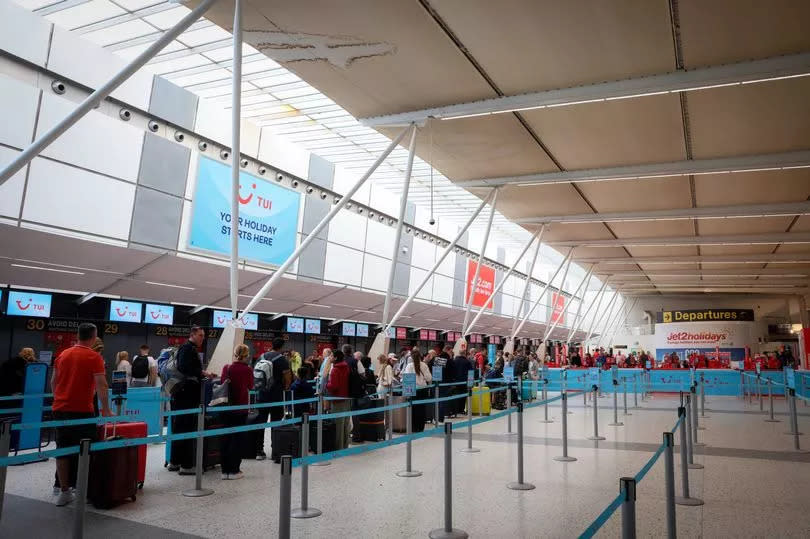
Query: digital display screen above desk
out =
(313, 326)
(125, 311)
(159, 314)
(362, 330)
(28, 304)
(348, 329)
(295, 325)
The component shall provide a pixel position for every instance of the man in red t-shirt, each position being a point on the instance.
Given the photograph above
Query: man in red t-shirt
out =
(78, 374)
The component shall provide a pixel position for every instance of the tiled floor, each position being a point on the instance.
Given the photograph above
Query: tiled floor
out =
(752, 483)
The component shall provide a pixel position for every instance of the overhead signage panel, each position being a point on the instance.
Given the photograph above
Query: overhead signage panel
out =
(705, 315)
(268, 215)
(159, 314)
(125, 311)
(29, 304)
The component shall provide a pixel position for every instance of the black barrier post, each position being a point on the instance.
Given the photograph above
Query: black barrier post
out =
(624, 396)
(702, 396)
(5, 444)
(695, 422)
(669, 484)
(285, 497)
(565, 457)
(198, 490)
(81, 488)
(685, 498)
(770, 402)
(627, 485)
(690, 433)
(448, 532)
(545, 406)
(509, 407)
(469, 448)
(305, 511)
(520, 485)
(436, 405)
(408, 472)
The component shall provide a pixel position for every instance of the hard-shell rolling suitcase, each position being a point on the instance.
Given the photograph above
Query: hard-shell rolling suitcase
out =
(528, 390)
(286, 440)
(113, 476)
(211, 444)
(480, 400)
(369, 427)
(129, 430)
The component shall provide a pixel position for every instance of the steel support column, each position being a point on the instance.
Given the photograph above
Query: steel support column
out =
(551, 328)
(565, 262)
(579, 321)
(403, 204)
(621, 322)
(236, 128)
(598, 300)
(605, 314)
(91, 101)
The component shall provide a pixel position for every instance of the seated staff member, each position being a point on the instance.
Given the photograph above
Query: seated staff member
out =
(78, 373)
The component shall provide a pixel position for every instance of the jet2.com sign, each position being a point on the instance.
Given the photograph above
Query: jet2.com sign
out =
(268, 215)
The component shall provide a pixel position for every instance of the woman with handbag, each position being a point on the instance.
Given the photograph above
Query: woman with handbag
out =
(238, 376)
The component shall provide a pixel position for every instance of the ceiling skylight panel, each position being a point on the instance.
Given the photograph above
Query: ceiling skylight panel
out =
(120, 33)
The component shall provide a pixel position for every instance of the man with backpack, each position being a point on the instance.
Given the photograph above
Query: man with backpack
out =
(271, 376)
(183, 384)
(144, 369)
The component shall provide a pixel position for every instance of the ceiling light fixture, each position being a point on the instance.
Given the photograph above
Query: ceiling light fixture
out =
(47, 269)
(181, 287)
(318, 305)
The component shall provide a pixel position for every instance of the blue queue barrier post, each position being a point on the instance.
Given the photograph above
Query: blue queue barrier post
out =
(408, 472)
(305, 511)
(520, 484)
(198, 491)
(81, 488)
(448, 531)
(770, 403)
(685, 498)
(596, 415)
(564, 414)
(5, 444)
(285, 498)
(627, 485)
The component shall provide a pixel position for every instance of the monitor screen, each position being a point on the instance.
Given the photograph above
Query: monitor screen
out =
(29, 304)
(125, 311)
(312, 326)
(251, 321)
(295, 325)
(392, 332)
(349, 329)
(221, 318)
(159, 314)
(432, 335)
(423, 334)
(402, 333)
(362, 330)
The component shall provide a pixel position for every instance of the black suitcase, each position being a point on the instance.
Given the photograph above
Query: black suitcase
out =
(211, 444)
(369, 427)
(286, 440)
(113, 476)
(329, 436)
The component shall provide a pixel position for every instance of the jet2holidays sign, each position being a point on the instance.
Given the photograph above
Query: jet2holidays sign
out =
(268, 215)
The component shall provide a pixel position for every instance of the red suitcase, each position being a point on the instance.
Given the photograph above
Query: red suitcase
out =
(128, 430)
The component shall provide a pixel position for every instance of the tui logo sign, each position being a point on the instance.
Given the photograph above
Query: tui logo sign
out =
(29, 304)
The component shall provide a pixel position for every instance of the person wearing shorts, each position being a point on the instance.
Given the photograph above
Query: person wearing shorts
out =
(78, 373)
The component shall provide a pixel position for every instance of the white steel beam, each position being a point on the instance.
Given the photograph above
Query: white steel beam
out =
(538, 235)
(779, 67)
(603, 316)
(758, 258)
(621, 322)
(565, 262)
(740, 239)
(447, 251)
(480, 263)
(610, 321)
(715, 212)
(783, 272)
(279, 273)
(526, 287)
(596, 315)
(585, 279)
(577, 320)
(91, 101)
(722, 165)
(403, 204)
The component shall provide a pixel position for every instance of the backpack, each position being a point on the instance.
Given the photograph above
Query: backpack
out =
(140, 367)
(263, 378)
(170, 376)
